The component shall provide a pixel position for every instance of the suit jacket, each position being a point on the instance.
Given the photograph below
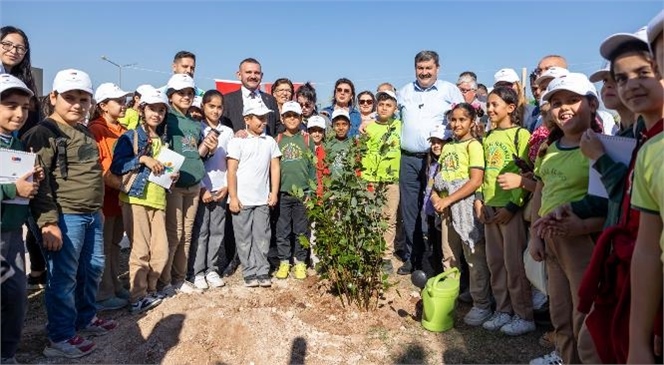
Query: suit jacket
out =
(233, 105)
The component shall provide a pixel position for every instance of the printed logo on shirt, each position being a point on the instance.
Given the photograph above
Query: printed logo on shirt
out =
(189, 143)
(496, 156)
(291, 152)
(449, 162)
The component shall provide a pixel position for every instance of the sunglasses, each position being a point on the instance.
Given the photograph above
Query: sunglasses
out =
(307, 105)
(365, 101)
(342, 90)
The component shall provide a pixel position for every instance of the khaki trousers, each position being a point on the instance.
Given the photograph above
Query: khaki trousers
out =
(504, 252)
(149, 251)
(586, 347)
(478, 269)
(113, 232)
(181, 206)
(390, 210)
(566, 261)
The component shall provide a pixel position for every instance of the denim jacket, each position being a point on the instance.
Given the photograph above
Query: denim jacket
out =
(124, 160)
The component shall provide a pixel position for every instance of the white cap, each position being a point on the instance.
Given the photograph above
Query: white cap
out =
(255, 107)
(198, 102)
(70, 79)
(291, 106)
(655, 27)
(505, 75)
(153, 96)
(8, 81)
(551, 73)
(441, 132)
(179, 82)
(316, 121)
(613, 42)
(575, 82)
(109, 90)
(389, 93)
(600, 74)
(142, 89)
(338, 113)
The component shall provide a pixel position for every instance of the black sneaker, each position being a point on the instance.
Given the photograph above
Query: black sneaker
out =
(406, 268)
(37, 282)
(145, 303)
(264, 281)
(232, 267)
(387, 267)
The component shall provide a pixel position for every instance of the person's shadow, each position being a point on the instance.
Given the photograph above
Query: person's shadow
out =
(298, 351)
(152, 349)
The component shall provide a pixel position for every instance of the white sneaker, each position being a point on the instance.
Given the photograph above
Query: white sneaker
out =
(199, 282)
(518, 326)
(540, 300)
(188, 288)
(214, 280)
(549, 359)
(496, 321)
(477, 316)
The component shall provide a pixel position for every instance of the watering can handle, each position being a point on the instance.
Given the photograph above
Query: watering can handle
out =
(445, 274)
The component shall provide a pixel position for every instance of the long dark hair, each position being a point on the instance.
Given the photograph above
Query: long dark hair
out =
(23, 70)
(343, 80)
(509, 96)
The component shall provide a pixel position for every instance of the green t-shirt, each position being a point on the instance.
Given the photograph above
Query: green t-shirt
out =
(458, 157)
(499, 148)
(184, 136)
(564, 173)
(154, 196)
(337, 150)
(296, 162)
(130, 120)
(648, 186)
(383, 156)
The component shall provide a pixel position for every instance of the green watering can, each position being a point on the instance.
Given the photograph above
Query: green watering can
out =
(439, 299)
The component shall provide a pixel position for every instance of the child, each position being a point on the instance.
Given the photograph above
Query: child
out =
(14, 105)
(562, 171)
(297, 170)
(144, 205)
(131, 118)
(461, 175)
(183, 137)
(646, 275)
(501, 212)
(433, 257)
(253, 186)
(316, 127)
(106, 130)
(337, 147)
(196, 109)
(70, 202)
(380, 164)
(211, 216)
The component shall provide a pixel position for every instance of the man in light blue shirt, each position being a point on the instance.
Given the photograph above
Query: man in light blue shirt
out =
(424, 103)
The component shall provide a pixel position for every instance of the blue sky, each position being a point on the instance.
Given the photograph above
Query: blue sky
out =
(368, 42)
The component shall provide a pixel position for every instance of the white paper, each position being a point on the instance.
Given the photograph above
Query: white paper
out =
(13, 165)
(172, 162)
(620, 150)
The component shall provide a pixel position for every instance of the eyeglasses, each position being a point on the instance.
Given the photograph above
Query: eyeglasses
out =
(306, 105)
(8, 46)
(466, 91)
(365, 101)
(342, 90)
(283, 91)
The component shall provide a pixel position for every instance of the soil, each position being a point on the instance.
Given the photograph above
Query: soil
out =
(294, 322)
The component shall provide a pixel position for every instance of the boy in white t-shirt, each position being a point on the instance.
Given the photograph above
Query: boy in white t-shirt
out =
(253, 187)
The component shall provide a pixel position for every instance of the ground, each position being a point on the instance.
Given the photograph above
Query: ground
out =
(293, 322)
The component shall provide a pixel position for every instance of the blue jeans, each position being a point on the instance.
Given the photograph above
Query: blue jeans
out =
(411, 190)
(74, 273)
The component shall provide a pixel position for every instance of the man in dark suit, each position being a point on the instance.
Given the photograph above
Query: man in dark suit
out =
(250, 75)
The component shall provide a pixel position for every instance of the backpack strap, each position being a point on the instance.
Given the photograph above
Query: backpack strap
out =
(61, 139)
(135, 142)
(305, 135)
